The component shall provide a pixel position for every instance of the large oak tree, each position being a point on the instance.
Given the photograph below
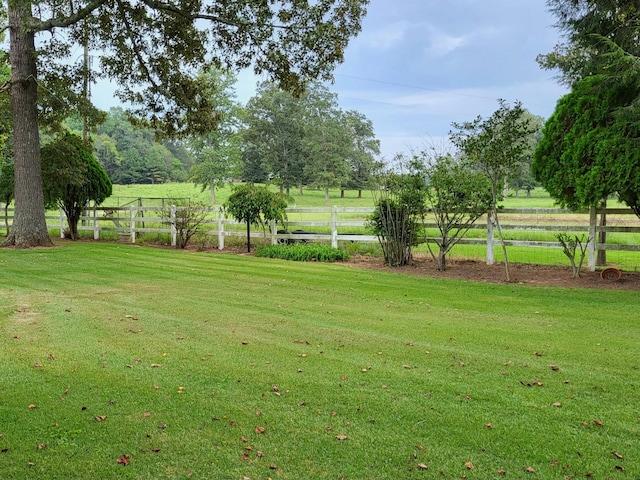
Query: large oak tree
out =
(153, 49)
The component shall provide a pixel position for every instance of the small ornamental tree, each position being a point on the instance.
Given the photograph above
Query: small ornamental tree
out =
(72, 177)
(256, 205)
(457, 196)
(188, 221)
(496, 146)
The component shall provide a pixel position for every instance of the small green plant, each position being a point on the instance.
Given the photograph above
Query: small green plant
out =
(303, 252)
(573, 245)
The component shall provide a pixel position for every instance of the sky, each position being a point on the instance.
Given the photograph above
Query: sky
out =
(419, 65)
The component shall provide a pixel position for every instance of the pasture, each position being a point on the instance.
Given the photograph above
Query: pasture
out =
(123, 361)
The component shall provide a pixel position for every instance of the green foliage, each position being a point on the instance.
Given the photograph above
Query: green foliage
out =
(588, 151)
(303, 252)
(72, 177)
(306, 140)
(575, 248)
(457, 196)
(497, 146)
(399, 209)
(218, 153)
(256, 205)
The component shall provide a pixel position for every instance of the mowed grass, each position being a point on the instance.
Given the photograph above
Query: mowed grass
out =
(121, 361)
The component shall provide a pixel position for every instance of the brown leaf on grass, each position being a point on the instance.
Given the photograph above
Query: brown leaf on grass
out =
(146, 414)
(42, 446)
(246, 456)
(598, 423)
(273, 467)
(555, 368)
(155, 365)
(37, 365)
(32, 406)
(249, 448)
(469, 465)
(556, 404)
(617, 455)
(259, 430)
(620, 468)
(502, 471)
(124, 460)
(422, 466)
(100, 418)
(341, 437)
(155, 450)
(529, 470)
(537, 354)
(489, 425)
(244, 439)
(259, 454)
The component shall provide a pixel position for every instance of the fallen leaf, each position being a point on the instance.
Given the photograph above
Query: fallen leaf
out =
(408, 367)
(32, 406)
(155, 365)
(555, 368)
(530, 470)
(38, 365)
(502, 472)
(155, 450)
(598, 423)
(249, 448)
(42, 446)
(341, 437)
(489, 425)
(537, 354)
(422, 466)
(469, 465)
(273, 467)
(123, 460)
(620, 468)
(259, 454)
(617, 455)
(146, 414)
(556, 404)
(259, 430)
(100, 418)
(246, 456)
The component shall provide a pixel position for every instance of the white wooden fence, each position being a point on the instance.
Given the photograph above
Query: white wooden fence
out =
(335, 224)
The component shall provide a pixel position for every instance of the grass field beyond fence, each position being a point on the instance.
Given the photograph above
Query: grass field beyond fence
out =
(121, 361)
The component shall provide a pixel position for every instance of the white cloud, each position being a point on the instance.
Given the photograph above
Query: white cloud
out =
(386, 37)
(442, 44)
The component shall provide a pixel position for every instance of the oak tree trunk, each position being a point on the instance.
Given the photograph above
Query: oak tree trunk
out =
(29, 224)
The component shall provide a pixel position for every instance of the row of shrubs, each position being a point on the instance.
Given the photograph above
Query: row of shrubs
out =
(303, 252)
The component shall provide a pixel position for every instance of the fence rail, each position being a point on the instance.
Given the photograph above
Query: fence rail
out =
(333, 225)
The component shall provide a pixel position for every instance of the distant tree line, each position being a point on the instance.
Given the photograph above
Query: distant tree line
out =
(294, 141)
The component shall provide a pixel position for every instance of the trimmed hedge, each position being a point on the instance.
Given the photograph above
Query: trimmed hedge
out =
(303, 252)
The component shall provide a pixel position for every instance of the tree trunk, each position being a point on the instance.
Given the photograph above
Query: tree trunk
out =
(342, 193)
(212, 189)
(359, 193)
(29, 224)
(249, 237)
(601, 258)
(326, 196)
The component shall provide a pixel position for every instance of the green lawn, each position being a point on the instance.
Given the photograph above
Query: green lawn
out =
(122, 361)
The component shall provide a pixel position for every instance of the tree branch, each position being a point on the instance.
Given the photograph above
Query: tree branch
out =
(69, 20)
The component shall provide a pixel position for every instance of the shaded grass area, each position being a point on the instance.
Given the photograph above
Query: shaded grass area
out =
(354, 373)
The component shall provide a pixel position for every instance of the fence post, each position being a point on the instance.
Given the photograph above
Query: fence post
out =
(220, 230)
(591, 247)
(174, 230)
(334, 226)
(132, 224)
(274, 232)
(62, 217)
(96, 228)
(490, 221)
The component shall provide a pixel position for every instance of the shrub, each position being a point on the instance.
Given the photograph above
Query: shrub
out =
(303, 252)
